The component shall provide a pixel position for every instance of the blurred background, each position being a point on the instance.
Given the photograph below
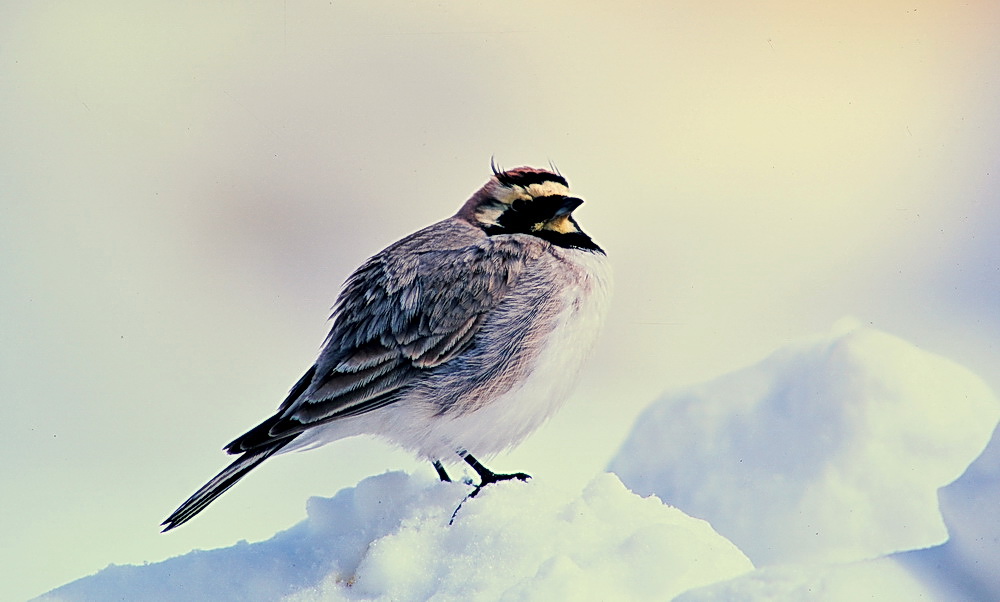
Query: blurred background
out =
(184, 186)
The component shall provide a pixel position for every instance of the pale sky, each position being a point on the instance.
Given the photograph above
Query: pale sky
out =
(184, 188)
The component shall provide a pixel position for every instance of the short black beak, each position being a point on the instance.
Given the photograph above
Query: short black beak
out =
(568, 205)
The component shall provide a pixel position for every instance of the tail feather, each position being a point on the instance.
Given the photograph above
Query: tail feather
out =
(221, 482)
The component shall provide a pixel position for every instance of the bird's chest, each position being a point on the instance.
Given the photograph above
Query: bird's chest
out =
(582, 306)
(549, 373)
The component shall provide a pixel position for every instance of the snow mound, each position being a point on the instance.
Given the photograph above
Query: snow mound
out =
(970, 506)
(388, 538)
(828, 451)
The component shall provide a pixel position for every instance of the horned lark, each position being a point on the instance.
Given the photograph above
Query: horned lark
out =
(455, 342)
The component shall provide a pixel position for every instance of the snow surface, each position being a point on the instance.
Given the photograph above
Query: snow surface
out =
(389, 539)
(822, 463)
(880, 579)
(832, 450)
(971, 508)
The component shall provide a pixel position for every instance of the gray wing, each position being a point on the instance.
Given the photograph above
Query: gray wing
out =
(405, 311)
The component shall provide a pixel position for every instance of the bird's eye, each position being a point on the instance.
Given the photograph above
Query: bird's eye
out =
(519, 204)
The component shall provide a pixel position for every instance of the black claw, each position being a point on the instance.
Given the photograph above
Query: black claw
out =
(496, 478)
(487, 476)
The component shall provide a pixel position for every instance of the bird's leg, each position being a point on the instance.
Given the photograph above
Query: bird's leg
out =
(487, 476)
(442, 473)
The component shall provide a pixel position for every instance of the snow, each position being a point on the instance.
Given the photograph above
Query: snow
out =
(821, 465)
(389, 539)
(969, 506)
(881, 579)
(831, 450)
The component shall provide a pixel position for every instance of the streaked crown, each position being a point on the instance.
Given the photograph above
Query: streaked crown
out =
(528, 200)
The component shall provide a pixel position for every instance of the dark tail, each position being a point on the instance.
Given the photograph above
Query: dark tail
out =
(221, 482)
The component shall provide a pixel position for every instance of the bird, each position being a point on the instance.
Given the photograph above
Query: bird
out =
(455, 342)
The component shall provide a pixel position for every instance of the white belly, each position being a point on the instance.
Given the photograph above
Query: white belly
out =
(507, 420)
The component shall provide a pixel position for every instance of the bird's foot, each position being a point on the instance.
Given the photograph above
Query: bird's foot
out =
(486, 477)
(492, 477)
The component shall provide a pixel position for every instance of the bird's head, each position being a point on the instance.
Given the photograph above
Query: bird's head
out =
(527, 200)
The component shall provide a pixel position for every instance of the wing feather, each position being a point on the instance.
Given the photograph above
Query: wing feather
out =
(405, 311)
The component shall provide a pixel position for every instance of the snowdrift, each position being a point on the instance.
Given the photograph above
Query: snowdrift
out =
(822, 465)
(832, 450)
(389, 538)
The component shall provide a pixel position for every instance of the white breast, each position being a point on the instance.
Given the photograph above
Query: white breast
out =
(507, 420)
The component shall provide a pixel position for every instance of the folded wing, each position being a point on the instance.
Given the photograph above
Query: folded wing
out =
(400, 314)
